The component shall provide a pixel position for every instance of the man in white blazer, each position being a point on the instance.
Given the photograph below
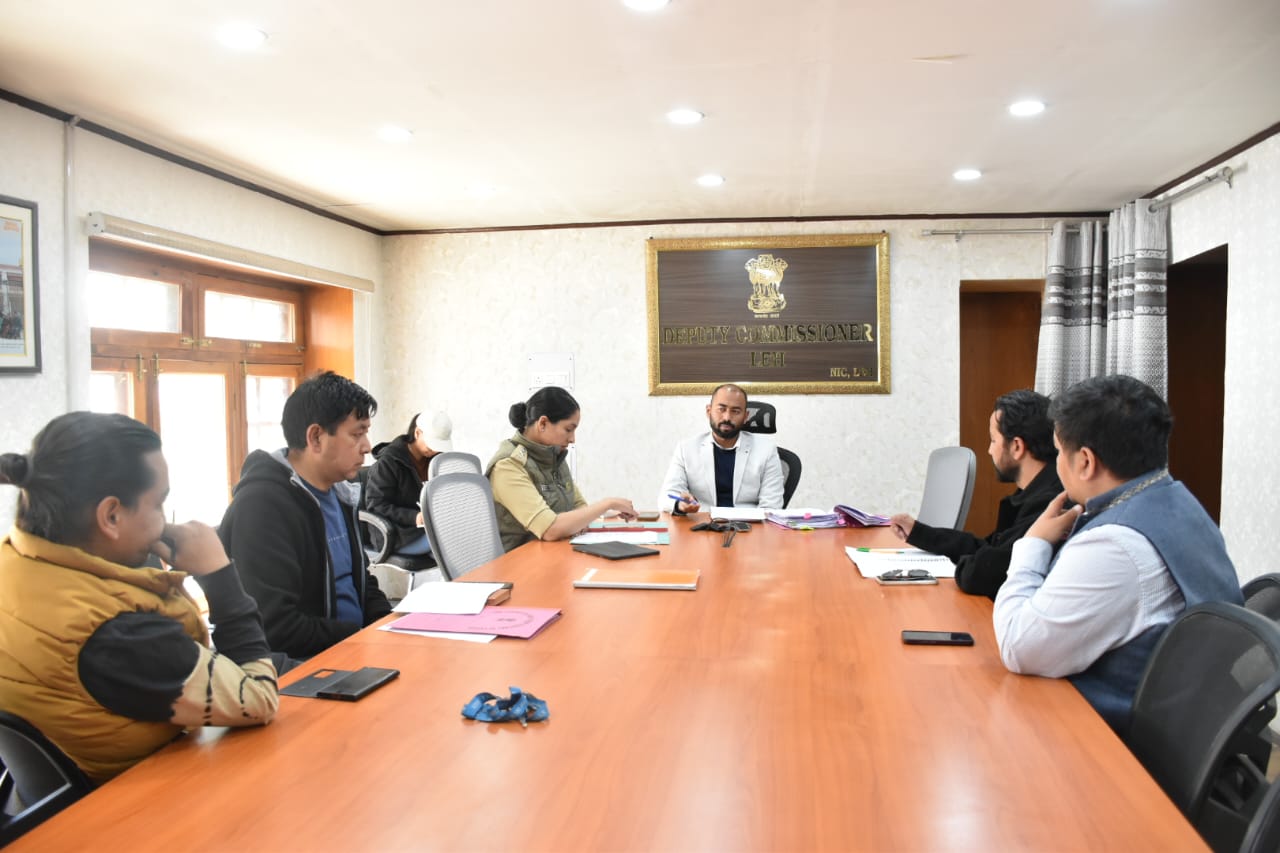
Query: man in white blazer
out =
(726, 466)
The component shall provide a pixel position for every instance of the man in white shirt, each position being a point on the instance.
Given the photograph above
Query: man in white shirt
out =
(726, 466)
(1139, 549)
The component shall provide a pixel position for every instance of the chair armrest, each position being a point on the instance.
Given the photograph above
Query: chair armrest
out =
(382, 535)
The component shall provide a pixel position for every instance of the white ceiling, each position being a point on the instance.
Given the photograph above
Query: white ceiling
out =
(814, 107)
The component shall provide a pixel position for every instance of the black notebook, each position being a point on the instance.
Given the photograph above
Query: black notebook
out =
(614, 550)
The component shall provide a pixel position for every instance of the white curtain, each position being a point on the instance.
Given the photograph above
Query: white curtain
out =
(1097, 321)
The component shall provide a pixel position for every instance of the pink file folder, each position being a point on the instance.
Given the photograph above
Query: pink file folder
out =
(522, 622)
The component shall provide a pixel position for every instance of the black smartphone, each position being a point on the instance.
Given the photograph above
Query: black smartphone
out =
(937, 638)
(358, 684)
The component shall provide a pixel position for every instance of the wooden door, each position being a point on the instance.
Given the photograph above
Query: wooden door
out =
(999, 332)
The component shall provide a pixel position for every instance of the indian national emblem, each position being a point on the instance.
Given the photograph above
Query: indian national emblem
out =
(765, 272)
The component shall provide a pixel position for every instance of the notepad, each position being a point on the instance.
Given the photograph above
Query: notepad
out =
(638, 578)
(614, 550)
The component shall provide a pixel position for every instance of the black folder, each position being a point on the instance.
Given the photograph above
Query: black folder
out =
(614, 550)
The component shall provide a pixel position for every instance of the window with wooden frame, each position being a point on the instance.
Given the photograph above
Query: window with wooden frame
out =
(206, 356)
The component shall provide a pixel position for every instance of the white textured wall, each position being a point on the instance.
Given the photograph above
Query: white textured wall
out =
(121, 181)
(459, 314)
(1247, 219)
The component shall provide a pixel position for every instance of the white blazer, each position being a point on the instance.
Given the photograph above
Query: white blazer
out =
(757, 472)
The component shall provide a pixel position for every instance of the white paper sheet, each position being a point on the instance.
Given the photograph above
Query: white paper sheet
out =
(877, 561)
(442, 635)
(460, 598)
(735, 513)
(634, 537)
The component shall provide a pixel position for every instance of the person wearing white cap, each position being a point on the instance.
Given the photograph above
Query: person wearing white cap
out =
(396, 478)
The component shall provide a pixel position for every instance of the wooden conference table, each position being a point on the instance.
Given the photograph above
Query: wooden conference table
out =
(775, 708)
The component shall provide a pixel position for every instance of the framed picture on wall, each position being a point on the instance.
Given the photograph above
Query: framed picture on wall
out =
(19, 287)
(776, 315)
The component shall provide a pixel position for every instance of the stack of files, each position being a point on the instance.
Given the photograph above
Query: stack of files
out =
(804, 519)
(638, 578)
(522, 622)
(872, 562)
(858, 518)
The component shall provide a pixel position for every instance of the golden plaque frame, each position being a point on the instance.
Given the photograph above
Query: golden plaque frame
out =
(709, 314)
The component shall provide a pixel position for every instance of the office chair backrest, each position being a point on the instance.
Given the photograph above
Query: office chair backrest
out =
(461, 523)
(1262, 595)
(41, 780)
(790, 474)
(761, 418)
(454, 462)
(948, 487)
(1215, 666)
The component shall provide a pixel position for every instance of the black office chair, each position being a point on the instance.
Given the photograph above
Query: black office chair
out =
(762, 418)
(1262, 595)
(1215, 666)
(790, 473)
(1263, 834)
(39, 780)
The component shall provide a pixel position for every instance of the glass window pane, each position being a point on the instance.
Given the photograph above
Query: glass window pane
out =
(193, 427)
(229, 315)
(264, 404)
(111, 391)
(137, 304)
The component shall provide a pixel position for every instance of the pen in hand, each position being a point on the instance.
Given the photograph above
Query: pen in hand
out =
(691, 500)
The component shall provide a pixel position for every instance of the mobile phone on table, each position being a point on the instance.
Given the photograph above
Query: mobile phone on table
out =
(937, 638)
(649, 515)
(358, 684)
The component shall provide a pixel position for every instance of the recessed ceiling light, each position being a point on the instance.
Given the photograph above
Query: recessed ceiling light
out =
(710, 180)
(240, 36)
(1026, 108)
(645, 5)
(392, 133)
(684, 115)
(966, 174)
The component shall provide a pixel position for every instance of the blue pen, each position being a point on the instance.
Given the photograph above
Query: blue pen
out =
(690, 501)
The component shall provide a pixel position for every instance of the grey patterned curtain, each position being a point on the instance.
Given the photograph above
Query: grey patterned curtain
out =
(1092, 325)
(1073, 317)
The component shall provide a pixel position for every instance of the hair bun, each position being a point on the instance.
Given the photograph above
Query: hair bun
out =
(14, 468)
(517, 414)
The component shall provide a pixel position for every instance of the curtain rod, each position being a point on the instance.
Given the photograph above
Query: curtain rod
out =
(1223, 174)
(931, 232)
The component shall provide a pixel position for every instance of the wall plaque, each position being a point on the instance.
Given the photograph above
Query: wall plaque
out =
(776, 315)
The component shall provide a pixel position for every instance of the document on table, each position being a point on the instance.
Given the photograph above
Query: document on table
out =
(460, 598)
(736, 513)
(441, 635)
(633, 537)
(876, 561)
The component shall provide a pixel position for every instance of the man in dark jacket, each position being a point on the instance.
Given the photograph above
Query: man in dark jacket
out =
(1023, 453)
(291, 527)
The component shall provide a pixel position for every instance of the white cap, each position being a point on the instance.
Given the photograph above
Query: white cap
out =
(437, 430)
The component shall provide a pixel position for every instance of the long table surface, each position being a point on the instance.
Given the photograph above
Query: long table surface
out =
(774, 708)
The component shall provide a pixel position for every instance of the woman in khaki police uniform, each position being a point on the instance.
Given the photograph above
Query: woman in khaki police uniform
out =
(533, 490)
